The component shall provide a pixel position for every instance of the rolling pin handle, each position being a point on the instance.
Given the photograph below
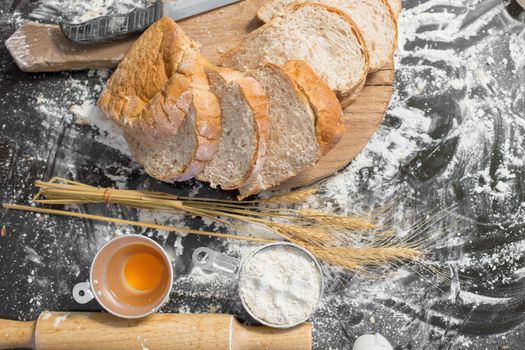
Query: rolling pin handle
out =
(16, 334)
(82, 293)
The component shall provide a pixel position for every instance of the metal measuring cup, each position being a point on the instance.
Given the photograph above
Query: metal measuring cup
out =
(212, 261)
(98, 287)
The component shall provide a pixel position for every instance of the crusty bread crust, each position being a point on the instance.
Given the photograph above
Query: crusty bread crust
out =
(256, 98)
(140, 100)
(329, 125)
(207, 116)
(254, 186)
(189, 83)
(352, 91)
(258, 101)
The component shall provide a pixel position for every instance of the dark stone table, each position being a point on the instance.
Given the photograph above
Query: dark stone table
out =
(451, 148)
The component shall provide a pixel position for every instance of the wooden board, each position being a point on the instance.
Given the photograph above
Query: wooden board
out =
(38, 47)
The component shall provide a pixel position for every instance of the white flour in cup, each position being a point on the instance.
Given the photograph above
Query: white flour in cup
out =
(280, 285)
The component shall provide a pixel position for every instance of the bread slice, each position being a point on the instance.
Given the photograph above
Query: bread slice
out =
(137, 95)
(374, 18)
(292, 144)
(324, 37)
(329, 123)
(396, 6)
(244, 123)
(185, 154)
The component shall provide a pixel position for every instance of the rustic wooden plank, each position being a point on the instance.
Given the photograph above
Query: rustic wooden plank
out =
(39, 47)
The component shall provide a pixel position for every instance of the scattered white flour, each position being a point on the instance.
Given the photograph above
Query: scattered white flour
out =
(142, 342)
(179, 248)
(60, 319)
(167, 219)
(32, 255)
(76, 11)
(89, 113)
(79, 105)
(280, 285)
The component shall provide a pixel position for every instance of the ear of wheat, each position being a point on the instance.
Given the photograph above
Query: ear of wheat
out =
(350, 241)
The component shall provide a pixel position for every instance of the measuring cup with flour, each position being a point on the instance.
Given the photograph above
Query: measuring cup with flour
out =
(280, 285)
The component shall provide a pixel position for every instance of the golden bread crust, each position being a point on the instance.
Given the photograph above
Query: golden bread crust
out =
(207, 116)
(254, 186)
(329, 125)
(138, 95)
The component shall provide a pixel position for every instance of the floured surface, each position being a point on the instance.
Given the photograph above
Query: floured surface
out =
(77, 11)
(454, 135)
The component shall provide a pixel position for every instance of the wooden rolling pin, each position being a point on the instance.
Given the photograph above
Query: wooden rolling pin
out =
(101, 331)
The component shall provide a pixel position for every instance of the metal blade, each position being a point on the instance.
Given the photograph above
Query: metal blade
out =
(180, 9)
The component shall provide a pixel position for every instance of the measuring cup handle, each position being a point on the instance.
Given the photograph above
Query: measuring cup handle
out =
(211, 261)
(82, 293)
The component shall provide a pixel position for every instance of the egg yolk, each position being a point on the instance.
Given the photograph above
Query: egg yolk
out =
(143, 271)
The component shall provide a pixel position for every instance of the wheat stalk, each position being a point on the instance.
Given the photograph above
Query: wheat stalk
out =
(350, 241)
(132, 223)
(292, 197)
(308, 234)
(339, 221)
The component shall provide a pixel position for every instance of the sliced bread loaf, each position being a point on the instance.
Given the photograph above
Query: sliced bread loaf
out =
(292, 144)
(374, 18)
(329, 123)
(326, 38)
(183, 154)
(244, 129)
(137, 95)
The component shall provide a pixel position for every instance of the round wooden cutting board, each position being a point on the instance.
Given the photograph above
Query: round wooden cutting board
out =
(39, 47)
(222, 29)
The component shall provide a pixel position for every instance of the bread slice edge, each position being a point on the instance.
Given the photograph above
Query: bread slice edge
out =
(329, 124)
(256, 99)
(352, 91)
